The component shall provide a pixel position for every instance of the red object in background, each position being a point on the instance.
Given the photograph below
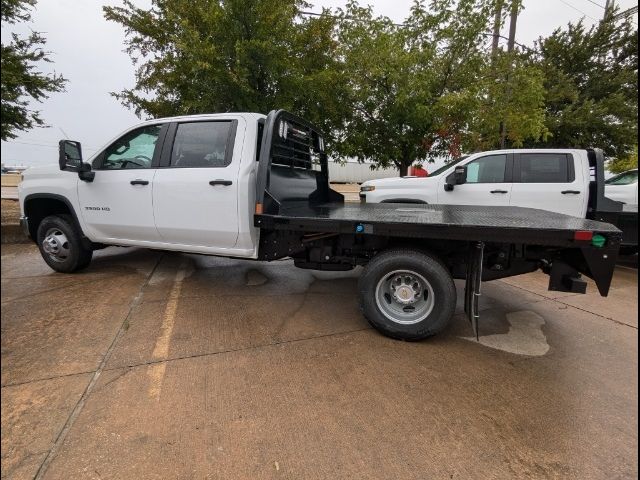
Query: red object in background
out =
(417, 172)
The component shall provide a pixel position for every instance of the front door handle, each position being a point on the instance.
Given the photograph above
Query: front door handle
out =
(499, 191)
(139, 181)
(574, 192)
(226, 183)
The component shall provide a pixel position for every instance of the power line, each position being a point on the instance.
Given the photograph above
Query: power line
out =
(596, 4)
(627, 14)
(352, 19)
(43, 144)
(578, 10)
(484, 34)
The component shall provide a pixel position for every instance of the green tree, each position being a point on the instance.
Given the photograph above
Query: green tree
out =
(628, 162)
(591, 80)
(21, 82)
(510, 90)
(237, 55)
(429, 88)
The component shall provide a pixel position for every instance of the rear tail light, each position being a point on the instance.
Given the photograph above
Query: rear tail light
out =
(583, 235)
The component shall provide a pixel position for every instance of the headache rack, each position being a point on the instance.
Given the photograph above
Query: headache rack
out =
(292, 165)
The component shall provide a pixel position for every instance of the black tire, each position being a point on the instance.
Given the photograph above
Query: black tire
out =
(440, 287)
(76, 255)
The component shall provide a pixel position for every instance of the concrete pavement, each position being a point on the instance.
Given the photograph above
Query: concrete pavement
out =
(162, 365)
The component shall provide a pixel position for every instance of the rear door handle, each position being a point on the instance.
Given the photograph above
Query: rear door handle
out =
(226, 183)
(574, 192)
(138, 181)
(499, 191)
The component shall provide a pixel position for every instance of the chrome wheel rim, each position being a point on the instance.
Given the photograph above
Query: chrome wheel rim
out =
(56, 245)
(404, 297)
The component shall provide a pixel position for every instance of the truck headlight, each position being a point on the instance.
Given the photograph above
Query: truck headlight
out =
(367, 188)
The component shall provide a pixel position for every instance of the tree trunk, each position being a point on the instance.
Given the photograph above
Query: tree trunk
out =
(404, 168)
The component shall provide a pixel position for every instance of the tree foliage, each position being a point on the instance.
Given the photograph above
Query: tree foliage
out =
(622, 164)
(21, 82)
(591, 83)
(511, 90)
(429, 88)
(408, 86)
(392, 94)
(237, 55)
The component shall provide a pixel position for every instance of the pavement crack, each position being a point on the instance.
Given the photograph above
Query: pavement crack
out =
(559, 300)
(235, 350)
(116, 378)
(94, 379)
(598, 315)
(44, 379)
(54, 289)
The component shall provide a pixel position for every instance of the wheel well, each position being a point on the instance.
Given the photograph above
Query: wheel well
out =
(37, 209)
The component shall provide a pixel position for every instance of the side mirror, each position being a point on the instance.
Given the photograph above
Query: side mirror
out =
(70, 159)
(457, 177)
(69, 155)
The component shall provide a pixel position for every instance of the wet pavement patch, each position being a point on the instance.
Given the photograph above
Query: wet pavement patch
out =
(525, 335)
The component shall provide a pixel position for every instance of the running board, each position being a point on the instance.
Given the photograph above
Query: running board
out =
(472, 285)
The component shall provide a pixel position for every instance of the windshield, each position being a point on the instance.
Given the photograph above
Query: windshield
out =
(626, 178)
(447, 165)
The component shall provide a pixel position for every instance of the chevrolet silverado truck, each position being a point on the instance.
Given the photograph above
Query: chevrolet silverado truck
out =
(556, 180)
(250, 186)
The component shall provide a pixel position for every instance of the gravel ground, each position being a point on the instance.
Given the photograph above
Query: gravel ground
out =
(10, 212)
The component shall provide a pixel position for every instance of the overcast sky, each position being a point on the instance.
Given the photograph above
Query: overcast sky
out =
(88, 51)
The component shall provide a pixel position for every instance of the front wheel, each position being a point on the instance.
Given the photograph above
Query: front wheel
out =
(407, 294)
(61, 245)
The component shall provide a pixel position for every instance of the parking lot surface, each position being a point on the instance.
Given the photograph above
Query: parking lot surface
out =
(161, 365)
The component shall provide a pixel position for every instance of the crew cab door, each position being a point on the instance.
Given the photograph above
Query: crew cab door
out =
(488, 182)
(550, 181)
(117, 204)
(195, 194)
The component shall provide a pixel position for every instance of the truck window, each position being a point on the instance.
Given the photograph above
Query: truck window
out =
(201, 145)
(544, 168)
(626, 178)
(133, 150)
(489, 169)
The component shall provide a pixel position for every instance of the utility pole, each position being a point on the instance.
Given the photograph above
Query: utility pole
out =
(608, 7)
(515, 7)
(497, 21)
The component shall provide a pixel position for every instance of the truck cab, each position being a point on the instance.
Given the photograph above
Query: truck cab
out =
(182, 183)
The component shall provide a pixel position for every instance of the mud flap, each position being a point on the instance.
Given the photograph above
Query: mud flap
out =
(601, 264)
(473, 284)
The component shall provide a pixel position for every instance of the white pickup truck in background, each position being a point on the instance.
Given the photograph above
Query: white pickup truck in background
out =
(555, 180)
